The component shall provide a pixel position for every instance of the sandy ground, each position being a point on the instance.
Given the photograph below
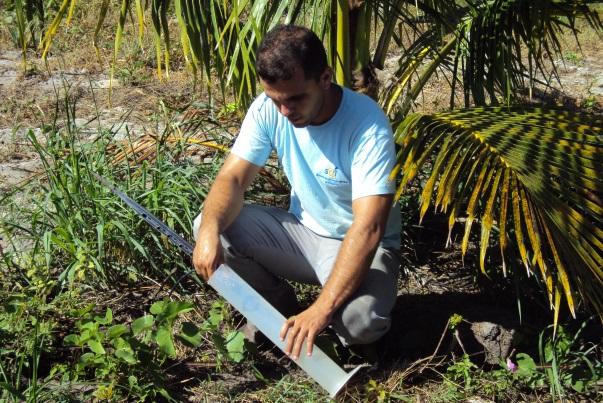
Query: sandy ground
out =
(29, 100)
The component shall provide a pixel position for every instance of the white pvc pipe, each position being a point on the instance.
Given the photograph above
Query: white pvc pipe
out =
(268, 320)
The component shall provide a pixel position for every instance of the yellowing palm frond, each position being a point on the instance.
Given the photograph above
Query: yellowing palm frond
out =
(529, 173)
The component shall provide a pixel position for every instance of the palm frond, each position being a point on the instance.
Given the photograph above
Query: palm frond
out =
(498, 34)
(54, 26)
(498, 49)
(531, 175)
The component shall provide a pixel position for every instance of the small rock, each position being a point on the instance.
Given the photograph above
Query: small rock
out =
(13, 55)
(80, 122)
(497, 340)
(478, 399)
(14, 172)
(104, 84)
(597, 91)
(569, 69)
(597, 87)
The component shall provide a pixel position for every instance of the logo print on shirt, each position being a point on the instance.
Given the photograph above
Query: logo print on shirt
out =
(331, 172)
(332, 176)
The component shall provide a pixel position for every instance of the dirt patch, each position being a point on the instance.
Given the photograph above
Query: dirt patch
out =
(88, 101)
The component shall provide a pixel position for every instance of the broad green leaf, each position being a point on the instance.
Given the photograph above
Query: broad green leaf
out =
(235, 346)
(127, 355)
(190, 335)
(578, 386)
(72, 339)
(158, 307)
(87, 358)
(116, 331)
(107, 319)
(142, 324)
(96, 346)
(526, 367)
(169, 310)
(164, 341)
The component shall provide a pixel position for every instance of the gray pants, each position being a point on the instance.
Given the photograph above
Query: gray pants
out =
(265, 245)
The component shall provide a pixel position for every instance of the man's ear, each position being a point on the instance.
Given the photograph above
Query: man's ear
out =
(326, 78)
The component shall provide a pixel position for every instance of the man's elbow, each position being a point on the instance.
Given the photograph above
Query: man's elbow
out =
(225, 180)
(372, 232)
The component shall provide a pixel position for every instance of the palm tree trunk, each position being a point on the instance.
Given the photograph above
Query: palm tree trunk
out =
(364, 79)
(342, 47)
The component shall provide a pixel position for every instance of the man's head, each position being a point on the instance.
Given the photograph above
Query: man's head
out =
(292, 66)
(286, 48)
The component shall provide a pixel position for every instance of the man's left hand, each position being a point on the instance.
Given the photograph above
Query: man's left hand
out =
(304, 326)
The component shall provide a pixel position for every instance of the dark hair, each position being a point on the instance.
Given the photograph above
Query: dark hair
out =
(286, 47)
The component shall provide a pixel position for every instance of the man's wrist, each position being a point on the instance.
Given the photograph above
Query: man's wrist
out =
(325, 304)
(209, 229)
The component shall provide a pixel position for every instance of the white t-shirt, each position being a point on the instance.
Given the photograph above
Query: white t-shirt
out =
(348, 157)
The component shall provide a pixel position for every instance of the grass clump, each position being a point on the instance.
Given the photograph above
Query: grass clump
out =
(75, 228)
(65, 238)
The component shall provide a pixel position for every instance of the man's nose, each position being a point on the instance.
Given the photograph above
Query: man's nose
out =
(285, 110)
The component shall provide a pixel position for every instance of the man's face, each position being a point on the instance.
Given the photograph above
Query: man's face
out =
(299, 99)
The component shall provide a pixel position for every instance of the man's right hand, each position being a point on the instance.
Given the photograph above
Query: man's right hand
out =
(222, 205)
(208, 254)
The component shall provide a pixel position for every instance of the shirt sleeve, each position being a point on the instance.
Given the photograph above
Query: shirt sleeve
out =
(253, 142)
(373, 158)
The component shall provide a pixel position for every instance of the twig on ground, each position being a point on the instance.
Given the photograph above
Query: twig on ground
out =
(432, 356)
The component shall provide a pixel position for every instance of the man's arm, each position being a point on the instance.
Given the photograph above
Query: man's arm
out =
(222, 205)
(351, 265)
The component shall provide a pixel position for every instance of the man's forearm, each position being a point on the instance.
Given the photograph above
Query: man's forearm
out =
(222, 205)
(353, 261)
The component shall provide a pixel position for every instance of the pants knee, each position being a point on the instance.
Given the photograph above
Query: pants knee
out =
(361, 323)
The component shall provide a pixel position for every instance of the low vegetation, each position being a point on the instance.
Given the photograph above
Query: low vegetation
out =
(96, 306)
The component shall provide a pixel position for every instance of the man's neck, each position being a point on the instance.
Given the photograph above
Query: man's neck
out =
(330, 104)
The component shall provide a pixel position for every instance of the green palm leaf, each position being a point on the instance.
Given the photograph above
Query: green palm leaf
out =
(530, 174)
(498, 34)
(495, 48)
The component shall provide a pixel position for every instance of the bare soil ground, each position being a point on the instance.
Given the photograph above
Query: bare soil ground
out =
(437, 284)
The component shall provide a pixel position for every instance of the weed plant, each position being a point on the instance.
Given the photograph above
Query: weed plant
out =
(565, 365)
(64, 235)
(75, 229)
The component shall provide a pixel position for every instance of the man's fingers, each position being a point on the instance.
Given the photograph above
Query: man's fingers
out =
(206, 270)
(299, 341)
(299, 330)
(292, 336)
(288, 323)
(310, 343)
